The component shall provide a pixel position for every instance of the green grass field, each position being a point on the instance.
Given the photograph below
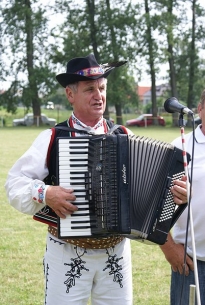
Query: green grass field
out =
(22, 240)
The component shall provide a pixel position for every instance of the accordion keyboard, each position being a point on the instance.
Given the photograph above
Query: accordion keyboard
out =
(73, 173)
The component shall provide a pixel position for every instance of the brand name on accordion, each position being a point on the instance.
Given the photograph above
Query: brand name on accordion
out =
(124, 176)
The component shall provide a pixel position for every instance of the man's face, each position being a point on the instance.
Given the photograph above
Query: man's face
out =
(89, 101)
(201, 111)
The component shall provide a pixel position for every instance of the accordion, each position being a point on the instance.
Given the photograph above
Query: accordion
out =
(122, 186)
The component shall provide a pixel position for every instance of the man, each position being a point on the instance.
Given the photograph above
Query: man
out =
(174, 247)
(75, 269)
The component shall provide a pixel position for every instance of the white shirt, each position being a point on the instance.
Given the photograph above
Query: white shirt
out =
(24, 186)
(198, 196)
(25, 178)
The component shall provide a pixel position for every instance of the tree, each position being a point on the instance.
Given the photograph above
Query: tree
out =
(116, 92)
(153, 32)
(190, 69)
(180, 48)
(193, 55)
(152, 48)
(167, 22)
(23, 27)
(102, 29)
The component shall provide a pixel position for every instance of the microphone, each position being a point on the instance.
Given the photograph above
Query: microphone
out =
(172, 105)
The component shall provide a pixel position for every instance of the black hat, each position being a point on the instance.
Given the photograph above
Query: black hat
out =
(84, 69)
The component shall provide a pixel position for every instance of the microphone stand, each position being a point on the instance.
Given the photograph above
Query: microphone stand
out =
(181, 124)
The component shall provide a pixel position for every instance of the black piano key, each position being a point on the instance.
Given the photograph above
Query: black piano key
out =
(83, 221)
(79, 183)
(81, 227)
(80, 215)
(82, 209)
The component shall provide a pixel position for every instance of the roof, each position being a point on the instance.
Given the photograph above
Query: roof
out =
(142, 90)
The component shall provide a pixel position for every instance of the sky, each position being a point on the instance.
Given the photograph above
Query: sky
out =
(145, 78)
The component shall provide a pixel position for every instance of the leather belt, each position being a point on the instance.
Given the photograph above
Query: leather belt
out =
(90, 243)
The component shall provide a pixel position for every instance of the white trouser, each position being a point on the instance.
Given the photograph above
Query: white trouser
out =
(73, 274)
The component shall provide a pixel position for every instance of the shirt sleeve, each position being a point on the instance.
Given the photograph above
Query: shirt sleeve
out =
(24, 186)
(177, 142)
(129, 132)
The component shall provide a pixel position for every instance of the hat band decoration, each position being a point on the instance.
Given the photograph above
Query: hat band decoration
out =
(91, 71)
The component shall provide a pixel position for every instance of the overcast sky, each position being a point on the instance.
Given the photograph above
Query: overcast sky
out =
(145, 80)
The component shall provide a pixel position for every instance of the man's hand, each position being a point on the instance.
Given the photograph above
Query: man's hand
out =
(59, 199)
(174, 254)
(179, 190)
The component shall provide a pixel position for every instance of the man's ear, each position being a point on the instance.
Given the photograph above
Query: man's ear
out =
(199, 108)
(69, 94)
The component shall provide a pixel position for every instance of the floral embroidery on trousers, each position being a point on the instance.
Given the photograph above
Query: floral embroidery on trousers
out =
(74, 273)
(115, 268)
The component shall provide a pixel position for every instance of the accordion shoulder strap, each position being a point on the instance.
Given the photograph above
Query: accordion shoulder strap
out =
(50, 146)
(113, 128)
(70, 129)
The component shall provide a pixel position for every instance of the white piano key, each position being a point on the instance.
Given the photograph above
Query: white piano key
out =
(76, 193)
(73, 146)
(65, 228)
(67, 155)
(62, 179)
(75, 233)
(76, 146)
(80, 200)
(66, 162)
(83, 168)
(79, 218)
(76, 180)
(71, 142)
(77, 187)
(80, 213)
(83, 206)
